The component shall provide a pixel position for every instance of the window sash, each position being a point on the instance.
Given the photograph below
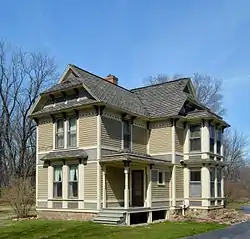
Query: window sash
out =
(195, 131)
(59, 133)
(73, 181)
(195, 144)
(195, 189)
(57, 174)
(195, 176)
(218, 189)
(161, 178)
(73, 189)
(72, 139)
(57, 189)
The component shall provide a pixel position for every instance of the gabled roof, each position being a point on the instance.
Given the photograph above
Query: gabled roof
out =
(164, 99)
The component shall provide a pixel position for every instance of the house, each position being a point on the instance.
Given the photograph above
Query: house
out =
(118, 155)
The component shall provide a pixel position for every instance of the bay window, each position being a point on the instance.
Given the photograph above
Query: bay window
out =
(73, 181)
(211, 135)
(195, 183)
(60, 133)
(126, 135)
(72, 132)
(195, 137)
(57, 182)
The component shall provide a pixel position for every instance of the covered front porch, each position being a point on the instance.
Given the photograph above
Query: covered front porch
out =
(127, 185)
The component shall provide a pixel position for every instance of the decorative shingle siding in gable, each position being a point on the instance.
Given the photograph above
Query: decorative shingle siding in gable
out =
(90, 182)
(114, 184)
(160, 138)
(87, 128)
(45, 135)
(179, 182)
(139, 139)
(179, 139)
(42, 190)
(111, 132)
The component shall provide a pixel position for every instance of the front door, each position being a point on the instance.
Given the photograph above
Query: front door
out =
(137, 188)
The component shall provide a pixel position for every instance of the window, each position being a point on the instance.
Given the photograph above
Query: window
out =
(195, 183)
(127, 135)
(195, 137)
(72, 132)
(73, 181)
(60, 133)
(219, 137)
(212, 185)
(161, 178)
(57, 184)
(219, 171)
(211, 134)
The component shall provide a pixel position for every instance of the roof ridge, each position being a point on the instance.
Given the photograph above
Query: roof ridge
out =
(162, 83)
(100, 78)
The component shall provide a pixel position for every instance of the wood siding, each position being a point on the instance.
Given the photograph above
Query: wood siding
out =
(179, 139)
(111, 132)
(42, 190)
(160, 138)
(179, 182)
(45, 135)
(160, 191)
(114, 183)
(139, 139)
(87, 129)
(90, 181)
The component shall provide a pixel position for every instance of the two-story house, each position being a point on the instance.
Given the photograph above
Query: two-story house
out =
(120, 155)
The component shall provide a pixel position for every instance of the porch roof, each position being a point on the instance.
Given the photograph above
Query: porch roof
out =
(66, 154)
(125, 155)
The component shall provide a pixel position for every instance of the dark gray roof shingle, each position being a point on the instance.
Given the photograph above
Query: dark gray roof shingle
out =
(66, 154)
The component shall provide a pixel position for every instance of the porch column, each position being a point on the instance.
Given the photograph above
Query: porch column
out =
(149, 189)
(215, 185)
(81, 184)
(104, 195)
(65, 172)
(173, 162)
(50, 185)
(205, 185)
(205, 139)
(222, 184)
(126, 188)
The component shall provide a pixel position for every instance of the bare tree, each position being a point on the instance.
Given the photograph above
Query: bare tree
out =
(22, 76)
(208, 89)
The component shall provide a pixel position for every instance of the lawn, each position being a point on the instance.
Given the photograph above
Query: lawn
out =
(75, 229)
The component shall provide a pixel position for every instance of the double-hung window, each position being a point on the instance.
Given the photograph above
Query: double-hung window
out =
(57, 183)
(126, 135)
(219, 171)
(219, 137)
(195, 137)
(211, 135)
(161, 178)
(212, 185)
(73, 181)
(60, 133)
(72, 132)
(195, 183)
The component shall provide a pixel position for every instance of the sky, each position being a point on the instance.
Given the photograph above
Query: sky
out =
(137, 39)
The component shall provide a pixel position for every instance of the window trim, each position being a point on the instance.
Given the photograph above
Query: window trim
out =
(192, 138)
(163, 177)
(57, 182)
(69, 182)
(68, 131)
(56, 134)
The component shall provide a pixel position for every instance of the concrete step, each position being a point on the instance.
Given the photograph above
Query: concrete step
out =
(111, 214)
(106, 222)
(110, 219)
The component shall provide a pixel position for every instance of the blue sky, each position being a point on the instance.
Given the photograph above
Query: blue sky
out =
(136, 39)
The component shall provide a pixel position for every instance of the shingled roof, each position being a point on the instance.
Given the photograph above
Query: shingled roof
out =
(155, 101)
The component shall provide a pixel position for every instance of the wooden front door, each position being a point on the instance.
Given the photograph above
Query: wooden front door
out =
(137, 188)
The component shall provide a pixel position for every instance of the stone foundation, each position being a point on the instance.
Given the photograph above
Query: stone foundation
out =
(63, 215)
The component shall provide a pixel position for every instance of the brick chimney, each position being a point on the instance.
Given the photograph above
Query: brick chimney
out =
(111, 78)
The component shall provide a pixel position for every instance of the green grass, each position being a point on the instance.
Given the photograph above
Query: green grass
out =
(75, 229)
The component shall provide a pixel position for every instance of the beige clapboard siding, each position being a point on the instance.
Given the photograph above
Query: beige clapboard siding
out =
(42, 190)
(111, 132)
(160, 138)
(114, 183)
(179, 139)
(45, 135)
(139, 139)
(179, 182)
(90, 181)
(87, 130)
(160, 191)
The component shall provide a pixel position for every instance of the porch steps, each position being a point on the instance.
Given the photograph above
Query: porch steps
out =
(112, 217)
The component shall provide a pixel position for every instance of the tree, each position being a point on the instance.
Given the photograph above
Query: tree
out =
(23, 76)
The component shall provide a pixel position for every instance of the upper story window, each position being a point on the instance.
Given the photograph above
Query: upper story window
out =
(72, 132)
(195, 137)
(211, 135)
(57, 182)
(73, 181)
(60, 133)
(195, 183)
(127, 135)
(219, 138)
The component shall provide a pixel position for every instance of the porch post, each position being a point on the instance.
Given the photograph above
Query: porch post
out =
(65, 172)
(173, 162)
(149, 190)
(126, 188)
(50, 185)
(81, 184)
(104, 195)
